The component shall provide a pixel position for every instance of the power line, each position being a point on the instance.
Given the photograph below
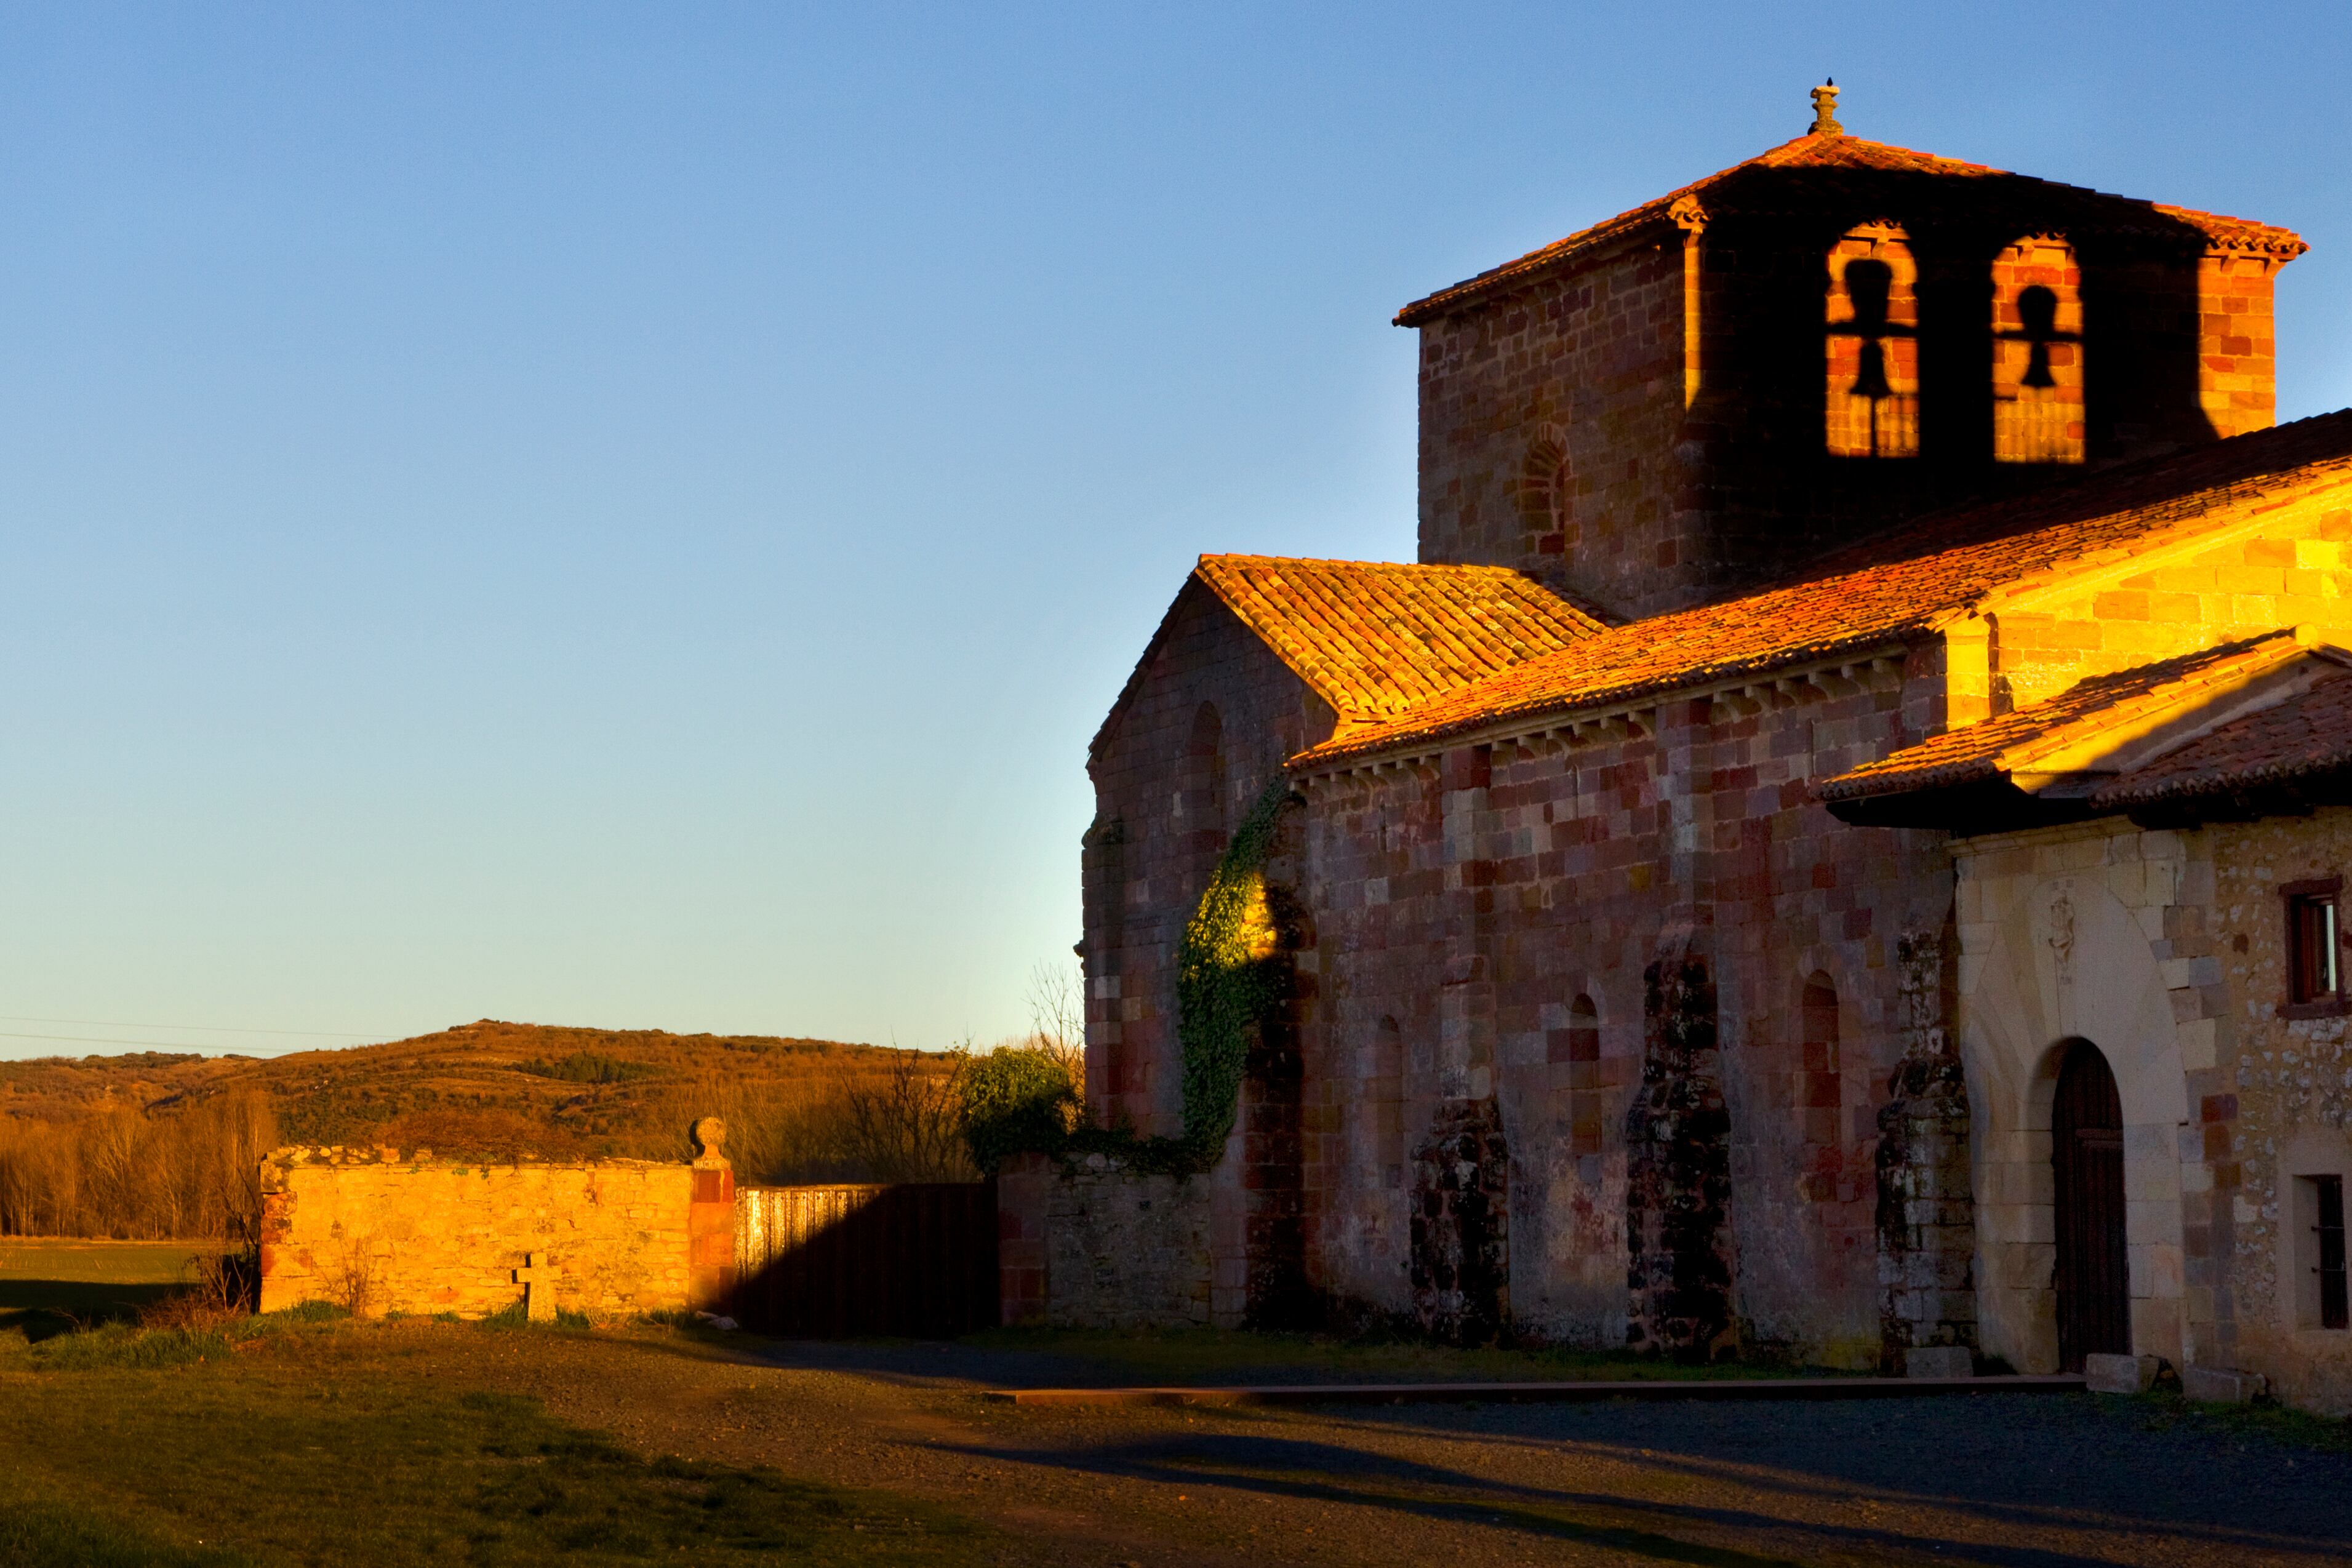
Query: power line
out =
(194, 1028)
(158, 1044)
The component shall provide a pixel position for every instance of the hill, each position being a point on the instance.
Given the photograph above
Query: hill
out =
(493, 1088)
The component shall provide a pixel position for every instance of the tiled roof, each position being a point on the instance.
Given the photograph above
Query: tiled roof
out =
(1374, 637)
(2104, 705)
(1815, 170)
(2298, 738)
(1942, 566)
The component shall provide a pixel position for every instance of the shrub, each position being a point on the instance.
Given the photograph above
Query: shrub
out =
(1017, 1099)
(589, 1067)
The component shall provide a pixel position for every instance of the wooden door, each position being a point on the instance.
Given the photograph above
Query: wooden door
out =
(2093, 1278)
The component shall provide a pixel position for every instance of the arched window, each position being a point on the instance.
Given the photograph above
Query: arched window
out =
(1873, 335)
(1548, 491)
(1821, 1087)
(2037, 354)
(1198, 811)
(1201, 789)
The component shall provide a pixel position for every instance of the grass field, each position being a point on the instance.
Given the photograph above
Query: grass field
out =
(303, 1438)
(48, 1286)
(97, 1262)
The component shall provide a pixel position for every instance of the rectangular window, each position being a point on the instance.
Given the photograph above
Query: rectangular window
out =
(2316, 1235)
(2329, 1234)
(2313, 967)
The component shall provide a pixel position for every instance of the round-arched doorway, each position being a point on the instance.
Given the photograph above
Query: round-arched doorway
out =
(2093, 1278)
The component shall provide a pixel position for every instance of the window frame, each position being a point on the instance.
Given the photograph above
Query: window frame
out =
(2317, 1308)
(2311, 1000)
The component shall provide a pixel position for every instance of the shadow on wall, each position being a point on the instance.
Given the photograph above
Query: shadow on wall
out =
(916, 1261)
(1935, 337)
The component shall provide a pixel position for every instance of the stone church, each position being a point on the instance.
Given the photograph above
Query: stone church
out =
(1834, 849)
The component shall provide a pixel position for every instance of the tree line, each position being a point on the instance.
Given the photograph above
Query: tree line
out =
(188, 1172)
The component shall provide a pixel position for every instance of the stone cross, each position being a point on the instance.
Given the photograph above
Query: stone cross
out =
(537, 1278)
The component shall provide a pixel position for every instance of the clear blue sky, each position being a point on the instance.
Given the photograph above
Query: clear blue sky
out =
(629, 516)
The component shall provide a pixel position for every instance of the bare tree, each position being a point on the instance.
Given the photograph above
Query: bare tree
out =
(905, 1125)
(1057, 1014)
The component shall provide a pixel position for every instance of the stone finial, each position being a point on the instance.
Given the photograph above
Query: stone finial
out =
(1825, 109)
(709, 1135)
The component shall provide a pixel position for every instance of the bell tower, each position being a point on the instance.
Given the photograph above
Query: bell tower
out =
(1822, 342)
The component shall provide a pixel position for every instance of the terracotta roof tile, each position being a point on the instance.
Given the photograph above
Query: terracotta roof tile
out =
(2298, 738)
(2015, 741)
(1372, 638)
(1832, 168)
(1941, 567)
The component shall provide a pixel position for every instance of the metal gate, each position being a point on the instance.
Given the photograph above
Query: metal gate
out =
(916, 1261)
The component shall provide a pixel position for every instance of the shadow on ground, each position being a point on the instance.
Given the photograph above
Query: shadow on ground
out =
(43, 1308)
(2028, 1481)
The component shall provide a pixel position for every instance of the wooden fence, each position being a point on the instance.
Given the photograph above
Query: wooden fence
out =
(916, 1259)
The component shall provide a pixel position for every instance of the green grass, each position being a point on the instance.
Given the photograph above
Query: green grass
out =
(321, 1442)
(99, 1262)
(2268, 1421)
(39, 1535)
(1198, 1355)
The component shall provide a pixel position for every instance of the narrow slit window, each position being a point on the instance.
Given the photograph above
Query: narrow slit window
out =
(2312, 943)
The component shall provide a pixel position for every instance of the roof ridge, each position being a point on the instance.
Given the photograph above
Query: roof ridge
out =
(1792, 154)
(2178, 774)
(2029, 512)
(2012, 743)
(1866, 598)
(2196, 673)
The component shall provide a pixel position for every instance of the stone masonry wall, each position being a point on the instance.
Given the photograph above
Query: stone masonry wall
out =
(2100, 932)
(2298, 571)
(1091, 1244)
(1162, 817)
(2167, 951)
(1645, 428)
(2274, 1105)
(1548, 424)
(1926, 1199)
(369, 1230)
(1470, 909)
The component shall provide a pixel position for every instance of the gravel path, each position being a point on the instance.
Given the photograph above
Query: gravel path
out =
(2039, 1482)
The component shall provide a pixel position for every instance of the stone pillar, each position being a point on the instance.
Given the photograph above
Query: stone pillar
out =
(1461, 1226)
(1926, 1202)
(1678, 1172)
(1024, 1192)
(710, 1221)
(279, 1289)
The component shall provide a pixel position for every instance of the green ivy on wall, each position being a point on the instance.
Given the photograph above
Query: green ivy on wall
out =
(1227, 977)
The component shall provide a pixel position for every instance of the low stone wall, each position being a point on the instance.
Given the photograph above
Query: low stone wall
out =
(1092, 1245)
(369, 1230)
